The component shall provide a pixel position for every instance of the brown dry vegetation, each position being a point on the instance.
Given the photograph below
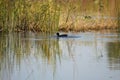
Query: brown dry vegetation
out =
(63, 15)
(88, 25)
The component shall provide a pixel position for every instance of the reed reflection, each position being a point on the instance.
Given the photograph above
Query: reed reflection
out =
(25, 56)
(19, 49)
(114, 55)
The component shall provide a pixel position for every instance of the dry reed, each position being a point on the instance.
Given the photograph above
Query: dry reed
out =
(53, 15)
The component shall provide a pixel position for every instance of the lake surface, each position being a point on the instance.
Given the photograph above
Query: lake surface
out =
(80, 56)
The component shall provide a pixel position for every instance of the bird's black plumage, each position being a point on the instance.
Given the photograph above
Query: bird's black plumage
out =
(61, 35)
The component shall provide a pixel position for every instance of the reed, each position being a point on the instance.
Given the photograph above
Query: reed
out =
(24, 15)
(118, 14)
(49, 16)
(90, 15)
(119, 20)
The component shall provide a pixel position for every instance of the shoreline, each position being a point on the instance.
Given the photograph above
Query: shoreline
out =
(116, 29)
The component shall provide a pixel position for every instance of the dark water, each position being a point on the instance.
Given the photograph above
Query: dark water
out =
(80, 56)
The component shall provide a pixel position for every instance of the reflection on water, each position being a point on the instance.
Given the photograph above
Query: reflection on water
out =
(114, 54)
(87, 56)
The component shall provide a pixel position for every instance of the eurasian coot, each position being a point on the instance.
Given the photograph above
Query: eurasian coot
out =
(61, 35)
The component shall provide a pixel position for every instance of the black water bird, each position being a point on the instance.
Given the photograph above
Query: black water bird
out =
(61, 35)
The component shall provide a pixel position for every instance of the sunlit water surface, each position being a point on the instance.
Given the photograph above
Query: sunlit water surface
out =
(80, 56)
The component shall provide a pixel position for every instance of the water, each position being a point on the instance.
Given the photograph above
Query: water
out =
(80, 56)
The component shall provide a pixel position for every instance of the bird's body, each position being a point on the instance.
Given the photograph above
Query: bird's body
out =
(62, 35)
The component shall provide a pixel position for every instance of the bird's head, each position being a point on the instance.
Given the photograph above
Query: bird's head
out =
(57, 34)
